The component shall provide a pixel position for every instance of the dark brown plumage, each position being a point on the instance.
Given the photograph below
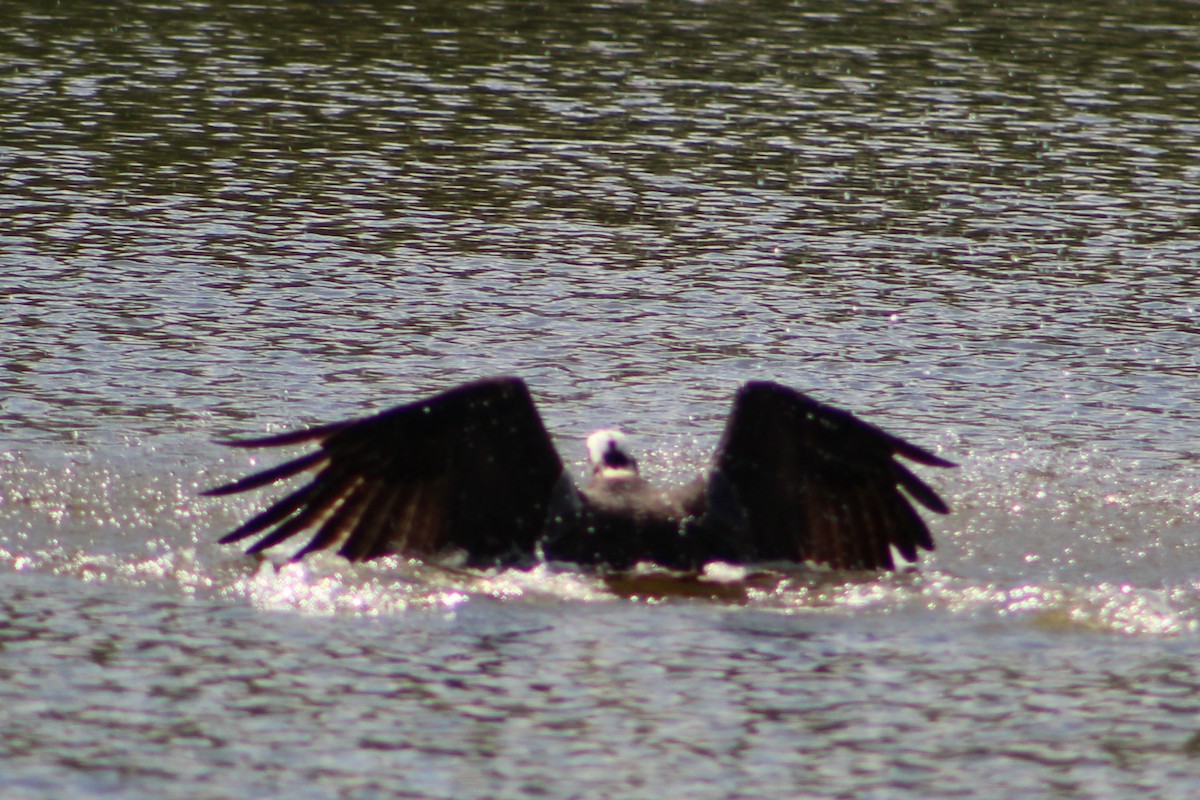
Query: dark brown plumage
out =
(473, 470)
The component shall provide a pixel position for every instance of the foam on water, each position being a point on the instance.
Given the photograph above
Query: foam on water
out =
(1050, 541)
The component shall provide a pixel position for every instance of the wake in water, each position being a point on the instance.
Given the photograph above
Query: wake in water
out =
(1034, 540)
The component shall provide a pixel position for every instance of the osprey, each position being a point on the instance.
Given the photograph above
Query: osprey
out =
(473, 470)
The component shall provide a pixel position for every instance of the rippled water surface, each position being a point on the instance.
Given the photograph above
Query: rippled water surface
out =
(975, 226)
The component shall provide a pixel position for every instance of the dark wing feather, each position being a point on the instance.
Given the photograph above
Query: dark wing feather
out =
(285, 470)
(472, 468)
(812, 482)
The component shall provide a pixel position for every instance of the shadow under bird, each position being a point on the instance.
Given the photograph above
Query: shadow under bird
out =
(473, 471)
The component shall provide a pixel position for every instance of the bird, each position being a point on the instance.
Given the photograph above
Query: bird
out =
(471, 475)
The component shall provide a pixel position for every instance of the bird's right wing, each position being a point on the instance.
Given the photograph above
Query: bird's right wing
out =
(471, 469)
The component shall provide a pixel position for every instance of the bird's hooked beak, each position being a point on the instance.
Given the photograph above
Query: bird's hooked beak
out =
(609, 454)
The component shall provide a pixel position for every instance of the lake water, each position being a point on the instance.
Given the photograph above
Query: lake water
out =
(974, 226)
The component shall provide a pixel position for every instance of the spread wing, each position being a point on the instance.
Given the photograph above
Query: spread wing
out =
(472, 468)
(797, 480)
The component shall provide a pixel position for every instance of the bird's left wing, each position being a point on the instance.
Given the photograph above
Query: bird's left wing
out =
(471, 469)
(797, 480)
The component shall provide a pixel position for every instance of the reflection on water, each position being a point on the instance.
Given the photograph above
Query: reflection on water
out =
(576, 698)
(971, 207)
(972, 224)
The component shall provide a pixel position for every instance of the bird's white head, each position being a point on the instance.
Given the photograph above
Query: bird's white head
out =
(610, 456)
